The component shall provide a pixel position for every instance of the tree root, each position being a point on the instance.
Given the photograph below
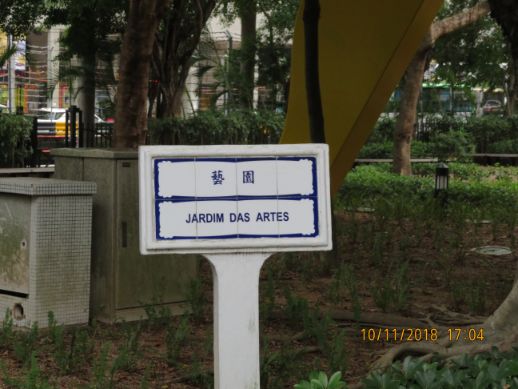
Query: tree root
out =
(443, 318)
(500, 330)
(372, 319)
(379, 319)
(447, 349)
(426, 351)
(447, 317)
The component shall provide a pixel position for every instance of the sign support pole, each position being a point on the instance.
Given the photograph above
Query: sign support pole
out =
(236, 319)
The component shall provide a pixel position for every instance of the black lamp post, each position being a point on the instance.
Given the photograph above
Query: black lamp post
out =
(442, 177)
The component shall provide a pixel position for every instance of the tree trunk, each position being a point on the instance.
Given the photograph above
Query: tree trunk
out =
(512, 104)
(248, 16)
(173, 89)
(505, 12)
(152, 98)
(505, 319)
(173, 99)
(137, 46)
(174, 46)
(406, 120)
(413, 79)
(86, 96)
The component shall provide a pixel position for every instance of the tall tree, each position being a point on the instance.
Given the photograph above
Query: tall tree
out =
(273, 46)
(267, 42)
(472, 56)
(246, 11)
(413, 79)
(248, 15)
(505, 13)
(89, 22)
(176, 40)
(135, 60)
(467, 60)
(87, 38)
(18, 17)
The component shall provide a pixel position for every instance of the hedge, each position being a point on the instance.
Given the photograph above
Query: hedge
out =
(367, 186)
(14, 140)
(487, 133)
(216, 127)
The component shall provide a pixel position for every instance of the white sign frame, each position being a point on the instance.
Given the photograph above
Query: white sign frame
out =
(149, 244)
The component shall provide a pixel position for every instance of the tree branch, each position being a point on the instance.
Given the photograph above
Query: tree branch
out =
(459, 20)
(200, 15)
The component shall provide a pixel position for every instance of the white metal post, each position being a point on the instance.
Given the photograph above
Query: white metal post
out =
(236, 319)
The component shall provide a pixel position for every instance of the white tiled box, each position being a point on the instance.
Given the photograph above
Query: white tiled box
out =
(45, 249)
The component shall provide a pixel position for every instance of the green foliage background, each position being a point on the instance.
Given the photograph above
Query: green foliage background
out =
(216, 127)
(14, 140)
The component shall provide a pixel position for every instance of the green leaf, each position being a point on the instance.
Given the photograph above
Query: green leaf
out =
(510, 367)
(316, 384)
(426, 379)
(303, 385)
(335, 382)
(322, 378)
(481, 382)
(409, 368)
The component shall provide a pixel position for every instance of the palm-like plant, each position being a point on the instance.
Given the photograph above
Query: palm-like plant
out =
(8, 53)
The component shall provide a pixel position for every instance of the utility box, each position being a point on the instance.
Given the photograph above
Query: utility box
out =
(45, 246)
(123, 280)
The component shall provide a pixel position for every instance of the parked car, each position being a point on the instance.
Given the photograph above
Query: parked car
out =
(57, 115)
(492, 106)
(51, 121)
(47, 118)
(52, 128)
(50, 114)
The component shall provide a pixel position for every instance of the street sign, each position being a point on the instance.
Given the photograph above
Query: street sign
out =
(234, 198)
(235, 205)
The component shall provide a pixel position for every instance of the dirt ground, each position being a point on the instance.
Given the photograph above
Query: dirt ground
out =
(445, 285)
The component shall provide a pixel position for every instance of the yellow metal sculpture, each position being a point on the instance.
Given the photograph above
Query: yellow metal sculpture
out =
(364, 48)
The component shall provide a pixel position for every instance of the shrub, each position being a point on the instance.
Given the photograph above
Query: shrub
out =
(433, 124)
(458, 171)
(452, 144)
(216, 127)
(488, 370)
(377, 150)
(488, 133)
(320, 381)
(422, 149)
(383, 131)
(489, 129)
(369, 183)
(14, 140)
(509, 146)
(373, 186)
(492, 369)
(384, 150)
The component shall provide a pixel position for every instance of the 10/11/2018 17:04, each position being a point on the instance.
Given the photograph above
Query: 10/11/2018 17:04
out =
(472, 334)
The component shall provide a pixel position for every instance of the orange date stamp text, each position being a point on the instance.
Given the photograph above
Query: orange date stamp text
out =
(473, 334)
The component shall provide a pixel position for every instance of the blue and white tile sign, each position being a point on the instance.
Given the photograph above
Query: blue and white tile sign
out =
(207, 199)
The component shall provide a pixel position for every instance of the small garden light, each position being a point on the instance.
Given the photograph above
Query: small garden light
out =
(442, 175)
